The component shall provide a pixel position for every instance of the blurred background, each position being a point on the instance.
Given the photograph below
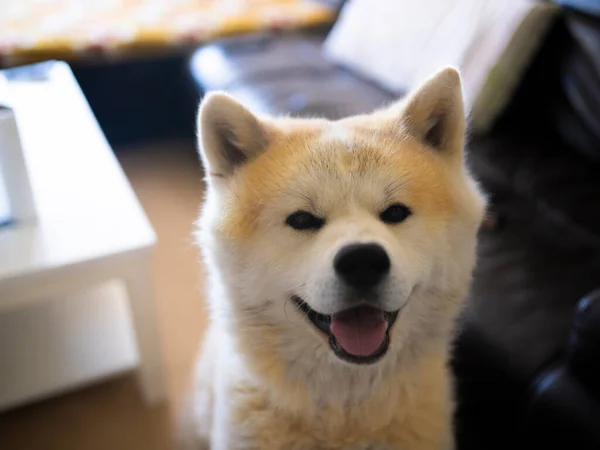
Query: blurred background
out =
(100, 280)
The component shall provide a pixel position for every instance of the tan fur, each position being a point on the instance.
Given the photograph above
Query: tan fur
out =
(267, 378)
(270, 173)
(409, 411)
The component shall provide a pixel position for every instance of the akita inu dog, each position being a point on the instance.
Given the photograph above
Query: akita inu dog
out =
(338, 254)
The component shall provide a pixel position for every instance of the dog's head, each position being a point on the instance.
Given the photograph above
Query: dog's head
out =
(348, 241)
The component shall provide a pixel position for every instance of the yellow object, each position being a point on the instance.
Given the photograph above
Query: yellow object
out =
(68, 29)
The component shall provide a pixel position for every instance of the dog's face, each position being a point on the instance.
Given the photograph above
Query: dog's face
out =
(345, 240)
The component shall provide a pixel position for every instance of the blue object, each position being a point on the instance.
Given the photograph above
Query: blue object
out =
(588, 6)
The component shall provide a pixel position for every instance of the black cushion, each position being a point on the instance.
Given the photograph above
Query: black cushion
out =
(579, 119)
(562, 414)
(284, 74)
(544, 253)
(584, 343)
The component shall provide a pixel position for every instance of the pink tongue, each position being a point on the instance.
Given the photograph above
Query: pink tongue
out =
(360, 331)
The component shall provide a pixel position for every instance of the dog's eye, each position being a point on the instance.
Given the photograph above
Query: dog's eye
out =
(302, 220)
(396, 213)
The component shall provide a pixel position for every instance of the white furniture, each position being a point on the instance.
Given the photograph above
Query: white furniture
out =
(90, 226)
(14, 179)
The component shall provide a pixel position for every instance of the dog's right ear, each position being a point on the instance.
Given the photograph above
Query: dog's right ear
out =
(229, 135)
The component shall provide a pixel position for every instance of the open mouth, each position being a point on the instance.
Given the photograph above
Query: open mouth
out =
(358, 335)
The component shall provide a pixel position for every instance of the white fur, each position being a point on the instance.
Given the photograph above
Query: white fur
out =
(338, 133)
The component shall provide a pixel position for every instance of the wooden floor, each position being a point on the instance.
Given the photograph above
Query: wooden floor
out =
(111, 416)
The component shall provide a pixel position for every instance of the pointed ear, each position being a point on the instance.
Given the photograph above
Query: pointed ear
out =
(434, 112)
(229, 135)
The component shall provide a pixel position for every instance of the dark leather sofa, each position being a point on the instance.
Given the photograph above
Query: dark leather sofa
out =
(527, 357)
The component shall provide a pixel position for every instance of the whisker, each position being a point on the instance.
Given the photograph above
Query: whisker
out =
(287, 299)
(298, 308)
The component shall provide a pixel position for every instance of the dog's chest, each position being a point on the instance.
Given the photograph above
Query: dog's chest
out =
(260, 426)
(270, 432)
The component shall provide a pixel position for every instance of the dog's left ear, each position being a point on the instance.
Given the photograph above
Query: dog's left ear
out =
(229, 135)
(434, 112)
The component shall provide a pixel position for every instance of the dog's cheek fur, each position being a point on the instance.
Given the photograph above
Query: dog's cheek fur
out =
(262, 322)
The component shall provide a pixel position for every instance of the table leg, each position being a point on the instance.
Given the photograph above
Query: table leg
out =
(140, 285)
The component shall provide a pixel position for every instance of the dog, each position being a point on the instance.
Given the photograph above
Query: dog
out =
(338, 254)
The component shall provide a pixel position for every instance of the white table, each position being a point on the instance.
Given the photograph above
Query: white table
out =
(90, 228)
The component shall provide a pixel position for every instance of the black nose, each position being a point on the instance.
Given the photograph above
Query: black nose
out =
(362, 266)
